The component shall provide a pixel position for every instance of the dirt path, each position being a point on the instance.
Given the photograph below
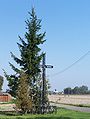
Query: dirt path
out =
(81, 109)
(7, 107)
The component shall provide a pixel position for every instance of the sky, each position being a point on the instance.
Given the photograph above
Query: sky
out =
(67, 26)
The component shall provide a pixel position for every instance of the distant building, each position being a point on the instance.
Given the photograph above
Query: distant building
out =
(5, 97)
(55, 91)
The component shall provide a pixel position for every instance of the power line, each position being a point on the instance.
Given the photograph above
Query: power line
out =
(81, 58)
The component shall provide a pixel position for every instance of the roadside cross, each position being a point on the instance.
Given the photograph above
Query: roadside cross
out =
(44, 85)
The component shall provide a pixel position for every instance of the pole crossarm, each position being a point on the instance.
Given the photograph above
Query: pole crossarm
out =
(48, 66)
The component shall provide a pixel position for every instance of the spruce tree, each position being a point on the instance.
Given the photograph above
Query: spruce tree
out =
(29, 61)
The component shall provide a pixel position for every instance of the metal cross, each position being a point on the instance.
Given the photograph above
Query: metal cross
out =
(44, 85)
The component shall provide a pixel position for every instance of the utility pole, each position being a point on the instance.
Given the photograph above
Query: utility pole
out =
(44, 85)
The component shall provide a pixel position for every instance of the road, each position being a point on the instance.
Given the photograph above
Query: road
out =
(81, 109)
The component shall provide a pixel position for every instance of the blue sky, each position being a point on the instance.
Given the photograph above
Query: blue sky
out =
(67, 26)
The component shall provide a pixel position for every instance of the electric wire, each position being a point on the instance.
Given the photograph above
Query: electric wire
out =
(70, 66)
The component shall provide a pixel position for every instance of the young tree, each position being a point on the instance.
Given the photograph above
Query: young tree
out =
(23, 102)
(12, 83)
(30, 58)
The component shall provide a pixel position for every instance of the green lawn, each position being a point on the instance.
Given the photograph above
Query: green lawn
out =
(61, 114)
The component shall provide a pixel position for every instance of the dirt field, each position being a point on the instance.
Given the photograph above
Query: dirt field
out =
(70, 99)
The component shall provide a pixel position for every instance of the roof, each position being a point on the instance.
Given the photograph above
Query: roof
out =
(3, 93)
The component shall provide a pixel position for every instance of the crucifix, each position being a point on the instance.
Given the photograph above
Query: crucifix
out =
(44, 85)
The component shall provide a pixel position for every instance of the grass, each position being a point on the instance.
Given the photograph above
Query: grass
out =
(73, 114)
(61, 114)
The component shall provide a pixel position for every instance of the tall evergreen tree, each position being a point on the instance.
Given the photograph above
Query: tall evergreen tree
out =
(30, 58)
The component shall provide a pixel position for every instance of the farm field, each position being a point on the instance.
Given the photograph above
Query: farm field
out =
(70, 99)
